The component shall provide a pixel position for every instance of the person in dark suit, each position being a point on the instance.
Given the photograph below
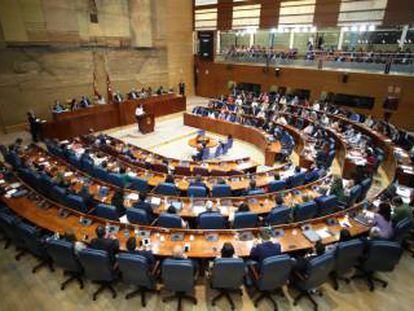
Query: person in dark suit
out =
(181, 88)
(265, 249)
(142, 204)
(34, 125)
(198, 182)
(101, 242)
(131, 246)
(302, 262)
(118, 202)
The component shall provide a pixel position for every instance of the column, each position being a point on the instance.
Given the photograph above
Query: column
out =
(341, 39)
(292, 38)
(403, 36)
(218, 42)
(251, 38)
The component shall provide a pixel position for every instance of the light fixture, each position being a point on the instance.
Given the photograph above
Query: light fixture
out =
(313, 29)
(345, 29)
(354, 28)
(371, 28)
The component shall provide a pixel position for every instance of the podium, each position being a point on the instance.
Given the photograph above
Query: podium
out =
(146, 123)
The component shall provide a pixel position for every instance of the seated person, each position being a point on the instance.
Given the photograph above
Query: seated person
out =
(169, 179)
(100, 100)
(382, 220)
(227, 251)
(105, 243)
(171, 210)
(198, 156)
(401, 210)
(252, 187)
(142, 204)
(57, 107)
(198, 182)
(118, 201)
(131, 245)
(84, 102)
(302, 262)
(267, 248)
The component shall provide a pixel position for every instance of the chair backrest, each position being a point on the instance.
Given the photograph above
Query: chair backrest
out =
(296, 180)
(402, 229)
(196, 191)
(221, 190)
(202, 171)
(327, 204)
(382, 255)
(211, 221)
(348, 255)
(135, 270)
(245, 220)
(137, 216)
(365, 184)
(138, 184)
(178, 275)
(279, 215)
(166, 189)
(96, 264)
(276, 185)
(275, 272)
(354, 194)
(8, 223)
(106, 211)
(227, 273)
(183, 170)
(318, 270)
(304, 211)
(169, 221)
(76, 202)
(30, 235)
(160, 167)
(63, 255)
(116, 180)
(100, 173)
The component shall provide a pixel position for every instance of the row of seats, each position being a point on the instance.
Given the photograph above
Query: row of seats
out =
(179, 275)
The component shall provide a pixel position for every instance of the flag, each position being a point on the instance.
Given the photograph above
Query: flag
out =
(95, 88)
(109, 89)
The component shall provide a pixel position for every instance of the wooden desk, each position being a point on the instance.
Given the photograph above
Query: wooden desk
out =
(79, 122)
(212, 142)
(249, 134)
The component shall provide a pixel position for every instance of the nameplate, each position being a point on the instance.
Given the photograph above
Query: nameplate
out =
(246, 236)
(212, 237)
(177, 236)
(85, 221)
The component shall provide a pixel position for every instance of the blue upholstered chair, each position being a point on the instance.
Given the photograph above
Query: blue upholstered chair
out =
(63, 256)
(304, 211)
(138, 184)
(137, 216)
(296, 180)
(365, 185)
(402, 229)
(136, 271)
(8, 223)
(381, 256)
(169, 221)
(327, 204)
(76, 202)
(276, 185)
(106, 211)
(212, 220)
(317, 272)
(32, 243)
(166, 188)
(195, 191)
(274, 273)
(116, 179)
(178, 277)
(347, 256)
(221, 190)
(98, 268)
(354, 195)
(279, 215)
(227, 277)
(245, 220)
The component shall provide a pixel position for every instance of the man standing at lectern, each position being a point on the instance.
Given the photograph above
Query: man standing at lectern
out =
(139, 113)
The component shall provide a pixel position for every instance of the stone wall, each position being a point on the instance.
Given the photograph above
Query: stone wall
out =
(49, 50)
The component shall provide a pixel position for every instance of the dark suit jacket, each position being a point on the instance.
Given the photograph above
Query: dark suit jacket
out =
(264, 250)
(146, 207)
(109, 245)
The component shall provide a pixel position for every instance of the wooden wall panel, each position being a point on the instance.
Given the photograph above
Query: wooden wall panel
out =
(269, 13)
(326, 13)
(213, 80)
(399, 12)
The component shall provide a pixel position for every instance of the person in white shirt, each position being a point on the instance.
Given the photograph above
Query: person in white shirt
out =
(239, 101)
(100, 100)
(309, 129)
(139, 111)
(282, 120)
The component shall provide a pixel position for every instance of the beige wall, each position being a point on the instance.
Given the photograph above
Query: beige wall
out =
(49, 50)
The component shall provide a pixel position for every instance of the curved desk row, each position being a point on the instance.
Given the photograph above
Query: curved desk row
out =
(79, 122)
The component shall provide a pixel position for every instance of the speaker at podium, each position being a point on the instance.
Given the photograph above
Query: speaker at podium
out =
(145, 120)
